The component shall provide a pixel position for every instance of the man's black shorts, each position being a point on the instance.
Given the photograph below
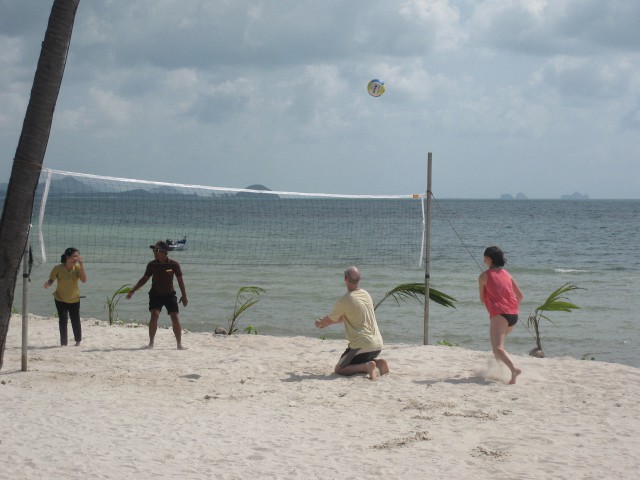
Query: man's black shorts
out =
(170, 302)
(354, 356)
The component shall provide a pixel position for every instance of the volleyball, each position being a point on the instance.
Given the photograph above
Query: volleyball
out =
(375, 87)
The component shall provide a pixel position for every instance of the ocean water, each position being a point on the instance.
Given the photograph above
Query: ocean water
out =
(594, 244)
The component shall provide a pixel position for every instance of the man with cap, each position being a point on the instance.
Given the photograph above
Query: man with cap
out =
(161, 270)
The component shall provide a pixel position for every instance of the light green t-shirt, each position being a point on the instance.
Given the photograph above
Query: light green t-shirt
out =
(360, 326)
(67, 289)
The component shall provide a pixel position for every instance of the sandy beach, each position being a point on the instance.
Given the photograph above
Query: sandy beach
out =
(254, 406)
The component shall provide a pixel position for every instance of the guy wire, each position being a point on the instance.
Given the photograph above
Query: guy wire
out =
(456, 232)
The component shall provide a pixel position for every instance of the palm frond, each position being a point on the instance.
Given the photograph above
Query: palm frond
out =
(558, 302)
(245, 298)
(415, 291)
(546, 318)
(441, 298)
(251, 290)
(124, 289)
(239, 311)
(113, 301)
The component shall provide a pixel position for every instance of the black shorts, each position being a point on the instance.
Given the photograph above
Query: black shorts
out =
(352, 357)
(170, 302)
(511, 319)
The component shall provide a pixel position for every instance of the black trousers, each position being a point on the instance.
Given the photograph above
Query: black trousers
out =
(66, 310)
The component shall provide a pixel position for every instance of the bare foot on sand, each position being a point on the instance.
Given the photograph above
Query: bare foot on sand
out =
(180, 347)
(148, 347)
(77, 344)
(382, 365)
(516, 372)
(372, 369)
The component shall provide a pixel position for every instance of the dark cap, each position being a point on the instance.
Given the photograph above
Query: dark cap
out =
(160, 245)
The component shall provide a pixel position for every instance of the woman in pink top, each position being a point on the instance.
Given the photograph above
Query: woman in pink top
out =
(500, 294)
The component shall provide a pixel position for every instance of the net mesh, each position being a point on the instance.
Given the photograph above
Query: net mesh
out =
(115, 220)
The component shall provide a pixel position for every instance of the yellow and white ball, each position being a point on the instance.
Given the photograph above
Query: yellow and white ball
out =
(375, 87)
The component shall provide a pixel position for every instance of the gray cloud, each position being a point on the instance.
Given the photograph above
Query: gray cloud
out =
(241, 92)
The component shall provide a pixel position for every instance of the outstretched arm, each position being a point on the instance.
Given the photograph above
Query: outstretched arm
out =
(137, 286)
(326, 321)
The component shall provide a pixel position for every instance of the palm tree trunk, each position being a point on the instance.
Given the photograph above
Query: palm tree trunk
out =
(536, 325)
(536, 352)
(18, 204)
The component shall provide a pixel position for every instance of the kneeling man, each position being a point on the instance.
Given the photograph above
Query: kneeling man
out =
(355, 310)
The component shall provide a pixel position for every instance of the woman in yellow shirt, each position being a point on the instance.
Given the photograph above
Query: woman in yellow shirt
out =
(67, 294)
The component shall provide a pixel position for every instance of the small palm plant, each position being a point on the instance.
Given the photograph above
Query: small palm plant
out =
(556, 302)
(245, 298)
(415, 291)
(113, 302)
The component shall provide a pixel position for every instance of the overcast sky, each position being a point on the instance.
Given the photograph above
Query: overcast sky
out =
(534, 96)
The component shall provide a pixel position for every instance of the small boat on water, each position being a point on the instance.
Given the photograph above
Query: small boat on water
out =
(178, 245)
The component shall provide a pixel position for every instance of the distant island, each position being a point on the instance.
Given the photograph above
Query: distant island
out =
(575, 196)
(508, 196)
(259, 187)
(522, 196)
(71, 186)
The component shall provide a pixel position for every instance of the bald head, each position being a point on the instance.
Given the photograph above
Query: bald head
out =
(352, 277)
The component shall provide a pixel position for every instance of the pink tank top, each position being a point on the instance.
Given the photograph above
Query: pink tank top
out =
(499, 296)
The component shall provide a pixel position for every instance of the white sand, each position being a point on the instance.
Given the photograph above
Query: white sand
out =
(258, 407)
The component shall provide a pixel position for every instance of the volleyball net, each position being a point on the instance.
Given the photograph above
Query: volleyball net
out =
(115, 220)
